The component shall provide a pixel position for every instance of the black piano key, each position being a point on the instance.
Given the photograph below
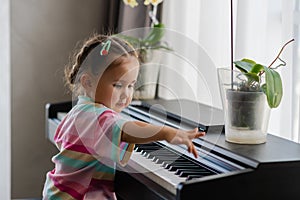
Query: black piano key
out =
(164, 154)
(160, 153)
(183, 161)
(181, 167)
(139, 149)
(179, 163)
(166, 157)
(187, 173)
(150, 147)
(164, 160)
(190, 169)
(190, 177)
(149, 151)
(168, 164)
(158, 161)
(187, 170)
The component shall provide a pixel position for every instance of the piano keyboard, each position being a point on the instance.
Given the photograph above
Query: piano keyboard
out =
(167, 167)
(173, 162)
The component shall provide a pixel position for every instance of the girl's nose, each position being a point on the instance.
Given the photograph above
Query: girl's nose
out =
(125, 93)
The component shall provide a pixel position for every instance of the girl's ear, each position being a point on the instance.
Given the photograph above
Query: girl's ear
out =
(86, 81)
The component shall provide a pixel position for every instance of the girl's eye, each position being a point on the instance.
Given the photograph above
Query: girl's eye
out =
(131, 86)
(117, 85)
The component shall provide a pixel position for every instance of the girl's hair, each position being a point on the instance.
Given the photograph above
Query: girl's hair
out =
(87, 58)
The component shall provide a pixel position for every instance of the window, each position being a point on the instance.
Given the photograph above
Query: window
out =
(261, 27)
(296, 78)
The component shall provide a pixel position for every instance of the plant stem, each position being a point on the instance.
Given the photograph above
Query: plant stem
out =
(280, 52)
(152, 15)
(231, 41)
(277, 57)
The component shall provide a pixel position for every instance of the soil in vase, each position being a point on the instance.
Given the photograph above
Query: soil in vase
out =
(247, 117)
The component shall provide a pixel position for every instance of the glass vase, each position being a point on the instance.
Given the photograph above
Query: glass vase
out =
(246, 113)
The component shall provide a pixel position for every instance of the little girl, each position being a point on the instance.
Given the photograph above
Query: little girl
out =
(93, 137)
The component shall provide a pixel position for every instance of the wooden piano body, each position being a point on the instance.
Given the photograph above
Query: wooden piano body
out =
(264, 171)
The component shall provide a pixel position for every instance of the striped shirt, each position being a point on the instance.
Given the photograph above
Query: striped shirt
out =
(89, 143)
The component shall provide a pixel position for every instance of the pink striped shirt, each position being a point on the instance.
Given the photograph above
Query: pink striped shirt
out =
(89, 143)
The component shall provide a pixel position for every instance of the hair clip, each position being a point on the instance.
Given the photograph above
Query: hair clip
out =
(105, 48)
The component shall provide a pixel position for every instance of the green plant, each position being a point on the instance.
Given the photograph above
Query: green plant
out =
(151, 41)
(271, 86)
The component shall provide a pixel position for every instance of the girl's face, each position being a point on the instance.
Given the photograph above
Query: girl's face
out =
(116, 85)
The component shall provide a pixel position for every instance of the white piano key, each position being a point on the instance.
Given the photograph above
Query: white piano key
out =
(158, 174)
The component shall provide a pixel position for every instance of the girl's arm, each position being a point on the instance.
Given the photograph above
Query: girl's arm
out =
(141, 132)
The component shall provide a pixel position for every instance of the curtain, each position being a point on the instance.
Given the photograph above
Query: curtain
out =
(129, 18)
(260, 35)
(118, 17)
(205, 26)
(261, 27)
(296, 73)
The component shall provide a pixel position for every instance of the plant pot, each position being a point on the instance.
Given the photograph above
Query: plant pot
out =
(146, 85)
(247, 117)
(246, 113)
(245, 108)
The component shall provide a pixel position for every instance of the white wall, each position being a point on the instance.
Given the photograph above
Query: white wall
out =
(43, 34)
(5, 105)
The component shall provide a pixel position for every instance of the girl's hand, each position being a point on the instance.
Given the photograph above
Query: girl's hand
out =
(186, 137)
(140, 132)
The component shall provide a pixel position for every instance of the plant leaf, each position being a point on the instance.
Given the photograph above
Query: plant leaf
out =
(263, 88)
(244, 66)
(132, 40)
(252, 77)
(257, 68)
(252, 62)
(155, 35)
(273, 89)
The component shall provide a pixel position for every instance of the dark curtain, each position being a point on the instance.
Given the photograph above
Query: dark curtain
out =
(109, 13)
(121, 17)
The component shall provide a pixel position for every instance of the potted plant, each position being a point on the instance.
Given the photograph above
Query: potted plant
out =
(147, 41)
(151, 41)
(248, 94)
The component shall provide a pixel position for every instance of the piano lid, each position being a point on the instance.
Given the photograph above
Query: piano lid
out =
(186, 110)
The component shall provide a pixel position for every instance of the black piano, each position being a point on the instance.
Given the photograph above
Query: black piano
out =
(160, 170)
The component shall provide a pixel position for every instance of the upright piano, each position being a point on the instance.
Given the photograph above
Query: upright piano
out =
(160, 170)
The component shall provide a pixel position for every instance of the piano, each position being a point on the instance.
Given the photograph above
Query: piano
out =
(160, 170)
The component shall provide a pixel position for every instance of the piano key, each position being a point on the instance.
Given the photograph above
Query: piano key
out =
(190, 177)
(171, 161)
(178, 162)
(182, 160)
(158, 174)
(186, 172)
(177, 167)
(161, 158)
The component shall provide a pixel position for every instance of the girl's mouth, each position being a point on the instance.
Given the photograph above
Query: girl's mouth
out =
(121, 104)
